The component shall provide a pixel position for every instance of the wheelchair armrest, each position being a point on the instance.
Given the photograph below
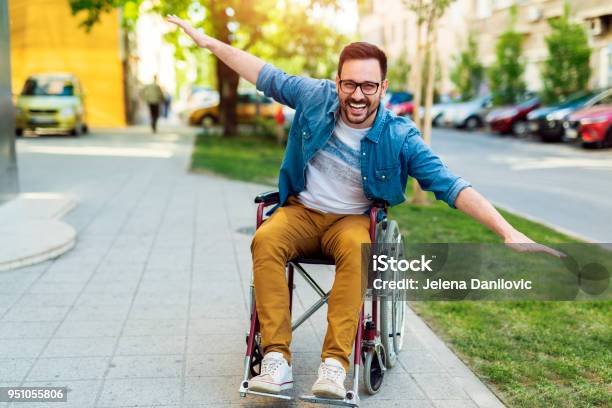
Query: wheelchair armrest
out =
(269, 197)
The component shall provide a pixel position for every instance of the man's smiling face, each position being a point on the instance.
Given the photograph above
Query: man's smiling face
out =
(358, 108)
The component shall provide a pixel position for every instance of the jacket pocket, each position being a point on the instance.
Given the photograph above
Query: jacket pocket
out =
(387, 174)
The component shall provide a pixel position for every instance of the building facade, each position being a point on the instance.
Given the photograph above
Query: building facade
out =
(46, 37)
(390, 24)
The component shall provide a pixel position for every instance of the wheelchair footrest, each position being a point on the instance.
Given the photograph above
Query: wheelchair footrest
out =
(267, 394)
(331, 401)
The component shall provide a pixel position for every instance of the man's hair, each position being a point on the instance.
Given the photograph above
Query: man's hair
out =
(363, 50)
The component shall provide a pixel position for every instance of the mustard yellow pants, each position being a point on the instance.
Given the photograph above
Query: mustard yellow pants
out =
(296, 231)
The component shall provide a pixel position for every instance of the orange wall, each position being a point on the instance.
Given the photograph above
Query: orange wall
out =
(45, 37)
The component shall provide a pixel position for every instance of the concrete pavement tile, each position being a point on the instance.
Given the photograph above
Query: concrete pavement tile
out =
(214, 390)
(21, 330)
(80, 347)
(126, 286)
(68, 368)
(161, 299)
(81, 394)
(153, 327)
(478, 391)
(146, 366)
(35, 313)
(216, 344)
(366, 401)
(102, 299)
(455, 404)
(14, 369)
(203, 327)
(166, 274)
(417, 361)
(167, 312)
(398, 385)
(140, 392)
(439, 386)
(144, 345)
(99, 312)
(219, 310)
(207, 365)
(13, 348)
(84, 328)
(47, 299)
(54, 288)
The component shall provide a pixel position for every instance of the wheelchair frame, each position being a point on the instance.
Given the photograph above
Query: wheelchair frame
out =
(367, 346)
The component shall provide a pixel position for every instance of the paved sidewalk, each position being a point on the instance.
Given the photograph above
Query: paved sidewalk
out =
(150, 307)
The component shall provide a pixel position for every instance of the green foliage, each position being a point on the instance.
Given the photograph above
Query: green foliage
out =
(398, 71)
(567, 68)
(94, 9)
(467, 73)
(506, 75)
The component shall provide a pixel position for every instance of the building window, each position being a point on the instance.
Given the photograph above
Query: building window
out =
(483, 8)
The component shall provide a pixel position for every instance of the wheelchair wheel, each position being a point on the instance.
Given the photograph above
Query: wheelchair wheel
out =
(373, 371)
(392, 310)
(256, 357)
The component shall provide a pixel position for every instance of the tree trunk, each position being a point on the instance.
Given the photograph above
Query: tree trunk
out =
(416, 68)
(418, 195)
(431, 74)
(227, 81)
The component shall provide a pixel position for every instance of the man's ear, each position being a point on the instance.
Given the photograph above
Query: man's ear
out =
(385, 86)
(337, 81)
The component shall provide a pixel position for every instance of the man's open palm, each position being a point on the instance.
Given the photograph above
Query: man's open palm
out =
(198, 37)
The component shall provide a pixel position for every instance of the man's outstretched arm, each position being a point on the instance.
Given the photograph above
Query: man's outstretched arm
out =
(472, 203)
(246, 65)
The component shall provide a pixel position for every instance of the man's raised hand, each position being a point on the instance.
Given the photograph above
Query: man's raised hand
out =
(199, 38)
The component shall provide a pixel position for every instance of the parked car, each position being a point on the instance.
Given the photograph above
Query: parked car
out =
(468, 115)
(251, 104)
(51, 103)
(512, 119)
(438, 109)
(547, 122)
(591, 126)
(401, 103)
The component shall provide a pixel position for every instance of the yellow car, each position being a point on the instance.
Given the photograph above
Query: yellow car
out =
(247, 110)
(51, 103)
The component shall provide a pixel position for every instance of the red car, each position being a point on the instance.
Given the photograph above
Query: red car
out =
(403, 109)
(591, 126)
(512, 119)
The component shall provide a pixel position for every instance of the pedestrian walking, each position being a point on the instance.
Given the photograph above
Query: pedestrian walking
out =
(153, 96)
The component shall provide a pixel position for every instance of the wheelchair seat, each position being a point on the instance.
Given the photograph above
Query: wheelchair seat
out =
(313, 261)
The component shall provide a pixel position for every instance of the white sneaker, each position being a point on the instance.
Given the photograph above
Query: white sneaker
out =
(275, 375)
(330, 383)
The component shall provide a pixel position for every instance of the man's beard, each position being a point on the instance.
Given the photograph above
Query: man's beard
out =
(358, 118)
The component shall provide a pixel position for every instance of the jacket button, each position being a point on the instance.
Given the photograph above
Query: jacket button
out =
(363, 154)
(383, 177)
(365, 178)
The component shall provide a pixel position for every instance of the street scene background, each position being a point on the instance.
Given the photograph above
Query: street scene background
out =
(124, 242)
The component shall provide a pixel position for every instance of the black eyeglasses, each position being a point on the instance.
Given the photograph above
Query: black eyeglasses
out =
(367, 87)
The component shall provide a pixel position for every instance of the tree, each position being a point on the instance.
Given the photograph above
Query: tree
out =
(567, 69)
(428, 13)
(467, 73)
(506, 75)
(277, 31)
(398, 72)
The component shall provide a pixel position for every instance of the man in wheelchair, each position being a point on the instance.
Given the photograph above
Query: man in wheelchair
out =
(345, 151)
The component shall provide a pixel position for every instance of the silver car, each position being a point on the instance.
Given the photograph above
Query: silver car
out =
(468, 115)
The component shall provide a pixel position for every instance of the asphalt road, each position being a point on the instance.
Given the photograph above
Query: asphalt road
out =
(561, 185)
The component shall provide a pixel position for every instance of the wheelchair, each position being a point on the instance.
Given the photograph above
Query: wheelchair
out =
(380, 332)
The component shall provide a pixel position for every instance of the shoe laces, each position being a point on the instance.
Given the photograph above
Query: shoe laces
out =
(270, 365)
(331, 372)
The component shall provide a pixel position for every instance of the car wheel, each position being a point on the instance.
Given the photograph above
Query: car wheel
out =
(77, 130)
(472, 123)
(519, 128)
(208, 121)
(608, 140)
(18, 132)
(85, 128)
(436, 122)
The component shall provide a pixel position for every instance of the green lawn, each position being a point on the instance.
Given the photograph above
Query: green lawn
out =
(534, 354)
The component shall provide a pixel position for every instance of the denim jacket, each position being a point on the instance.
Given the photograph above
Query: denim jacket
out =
(392, 150)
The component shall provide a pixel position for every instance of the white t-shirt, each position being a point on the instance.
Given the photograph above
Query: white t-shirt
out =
(333, 175)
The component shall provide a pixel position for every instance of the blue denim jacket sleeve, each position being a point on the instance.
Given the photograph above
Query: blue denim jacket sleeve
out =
(429, 170)
(283, 88)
